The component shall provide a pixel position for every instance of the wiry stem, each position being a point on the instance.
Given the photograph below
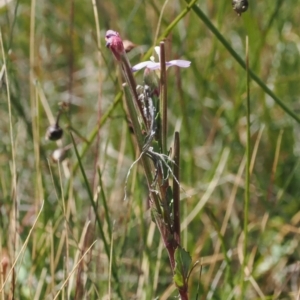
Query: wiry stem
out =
(163, 197)
(241, 62)
(131, 83)
(163, 100)
(176, 188)
(140, 142)
(247, 187)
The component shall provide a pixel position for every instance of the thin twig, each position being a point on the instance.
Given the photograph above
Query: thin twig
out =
(241, 62)
(247, 183)
(163, 98)
(176, 187)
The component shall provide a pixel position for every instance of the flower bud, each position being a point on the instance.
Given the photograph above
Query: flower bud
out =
(114, 43)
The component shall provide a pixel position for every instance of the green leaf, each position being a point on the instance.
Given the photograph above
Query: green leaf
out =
(169, 196)
(183, 263)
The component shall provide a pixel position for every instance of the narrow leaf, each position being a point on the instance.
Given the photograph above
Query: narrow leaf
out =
(183, 263)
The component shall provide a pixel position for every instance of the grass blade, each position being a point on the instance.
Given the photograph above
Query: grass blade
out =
(223, 41)
(89, 191)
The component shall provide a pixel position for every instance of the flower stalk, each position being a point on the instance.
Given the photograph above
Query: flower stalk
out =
(164, 97)
(115, 44)
(149, 103)
(140, 142)
(176, 187)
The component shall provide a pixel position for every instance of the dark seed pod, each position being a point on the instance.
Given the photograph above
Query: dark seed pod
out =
(239, 6)
(54, 132)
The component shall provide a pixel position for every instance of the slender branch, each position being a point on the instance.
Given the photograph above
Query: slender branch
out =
(176, 188)
(98, 221)
(247, 187)
(131, 83)
(169, 29)
(163, 98)
(241, 62)
(140, 142)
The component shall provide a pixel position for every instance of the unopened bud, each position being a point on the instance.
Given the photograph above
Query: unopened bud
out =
(114, 43)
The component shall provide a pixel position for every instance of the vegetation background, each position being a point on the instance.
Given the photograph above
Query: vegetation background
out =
(53, 52)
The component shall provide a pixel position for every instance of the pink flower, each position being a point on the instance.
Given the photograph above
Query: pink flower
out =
(114, 43)
(152, 65)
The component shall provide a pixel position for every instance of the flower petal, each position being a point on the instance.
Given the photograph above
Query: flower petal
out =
(179, 63)
(145, 64)
(153, 65)
(140, 66)
(110, 33)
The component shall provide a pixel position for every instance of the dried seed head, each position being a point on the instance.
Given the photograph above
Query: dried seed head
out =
(128, 45)
(54, 132)
(240, 6)
(59, 155)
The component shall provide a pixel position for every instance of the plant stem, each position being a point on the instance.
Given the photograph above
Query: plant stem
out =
(140, 142)
(127, 71)
(241, 62)
(171, 26)
(176, 188)
(247, 187)
(163, 98)
(98, 221)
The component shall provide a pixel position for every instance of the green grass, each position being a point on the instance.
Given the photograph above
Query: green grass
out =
(65, 229)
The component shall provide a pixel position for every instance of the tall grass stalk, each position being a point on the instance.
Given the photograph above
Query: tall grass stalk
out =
(73, 270)
(34, 103)
(171, 27)
(98, 221)
(14, 193)
(66, 220)
(241, 62)
(164, 98)
(20, 254)
(247, 181)
(110, 265)
(118, 97)
(100, 94)
(210, 189)
(52, 54)
(152, 148)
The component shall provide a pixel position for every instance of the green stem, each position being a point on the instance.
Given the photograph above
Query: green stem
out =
(163, 98)
(176, 188)
(140, 142)
(220, 37)
(247, 187)
(98, 221)
(127, 71)
(171, 26)
(93, 134)
(104, 199)
(119, 96)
